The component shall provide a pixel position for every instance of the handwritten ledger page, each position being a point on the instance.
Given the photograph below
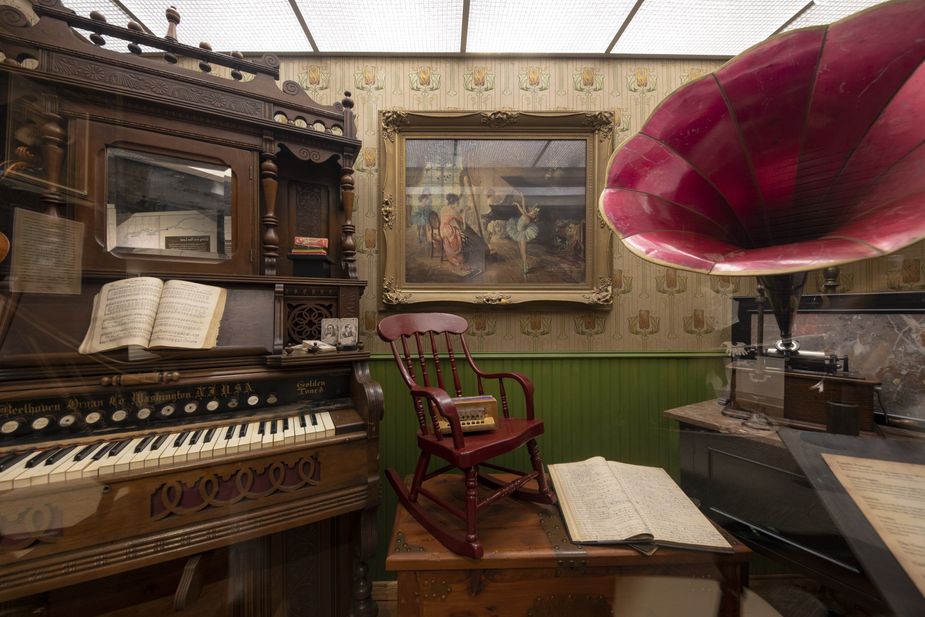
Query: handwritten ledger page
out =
(605, 501)
(891, 495)
(594, 504)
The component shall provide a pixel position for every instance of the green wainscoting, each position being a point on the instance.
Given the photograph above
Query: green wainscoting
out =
(592, 405)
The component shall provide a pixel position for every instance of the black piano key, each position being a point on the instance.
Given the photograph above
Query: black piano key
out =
(314, 419)
(229, 433)
(285, 424)
(243, 431)
(60, 454)
(118, 447)
(195, 438)
(302, 420)
(180, 439)
(209, 435)
(6, 459)
(144, 443)
(85, 452)
(158, 442)
(11, 460)
(262, 429)
(41, 456)
(104, 450)
(272, 427)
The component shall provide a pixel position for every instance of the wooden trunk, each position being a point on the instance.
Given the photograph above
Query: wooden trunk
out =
(531, 567)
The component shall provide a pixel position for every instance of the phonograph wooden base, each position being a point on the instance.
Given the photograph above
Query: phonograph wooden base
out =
(795, 397)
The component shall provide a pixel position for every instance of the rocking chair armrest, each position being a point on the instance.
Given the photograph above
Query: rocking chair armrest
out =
(447, 407)
(524, 382)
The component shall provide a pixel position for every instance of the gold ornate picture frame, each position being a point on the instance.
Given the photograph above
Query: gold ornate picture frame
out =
(494, 207)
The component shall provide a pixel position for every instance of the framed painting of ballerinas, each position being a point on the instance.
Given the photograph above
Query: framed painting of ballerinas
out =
(494, 207)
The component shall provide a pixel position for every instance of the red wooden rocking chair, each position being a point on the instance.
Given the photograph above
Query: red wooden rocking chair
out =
(421, 344)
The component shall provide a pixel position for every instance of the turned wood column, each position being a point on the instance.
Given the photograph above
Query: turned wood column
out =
(269, 184)
(347, 196)
(349, 229)
(51, 142)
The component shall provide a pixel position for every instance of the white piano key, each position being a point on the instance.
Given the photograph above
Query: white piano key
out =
(93, 469)
(328, 422)
(297, 423)
(124, 460)
(314, 430)
(75, 470)
(267, 440)
(152, 456)
(232, 443)
(109, 466)
(7, 475)
(289, 434)
(52, 468)
(195, 449)
(29, 474)
(278, 436)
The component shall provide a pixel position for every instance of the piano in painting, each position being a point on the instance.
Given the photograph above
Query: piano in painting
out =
(241, 479)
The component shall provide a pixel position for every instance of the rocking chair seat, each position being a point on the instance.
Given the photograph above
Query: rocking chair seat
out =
(425, 347)
(479, 447)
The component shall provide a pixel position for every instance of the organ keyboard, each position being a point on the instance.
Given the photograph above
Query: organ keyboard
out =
(236, 480)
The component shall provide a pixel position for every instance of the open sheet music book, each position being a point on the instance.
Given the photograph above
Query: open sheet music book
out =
(150, 313)
(611, 503)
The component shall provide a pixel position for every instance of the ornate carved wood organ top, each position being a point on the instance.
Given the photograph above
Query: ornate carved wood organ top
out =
(149, 478)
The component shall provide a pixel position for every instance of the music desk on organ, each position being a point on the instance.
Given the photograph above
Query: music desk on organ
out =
(235, 480)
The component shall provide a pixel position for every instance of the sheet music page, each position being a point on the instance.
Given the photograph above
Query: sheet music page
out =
(891, 495)
(188, 316)
(668, 513)
(594, 505)
(123, 314)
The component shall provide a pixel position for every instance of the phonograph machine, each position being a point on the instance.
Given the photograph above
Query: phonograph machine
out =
(803, 153)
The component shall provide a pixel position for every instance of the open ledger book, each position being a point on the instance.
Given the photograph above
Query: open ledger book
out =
(148, 312)
(607, 502)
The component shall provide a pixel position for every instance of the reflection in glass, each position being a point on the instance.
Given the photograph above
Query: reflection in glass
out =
(163, 205)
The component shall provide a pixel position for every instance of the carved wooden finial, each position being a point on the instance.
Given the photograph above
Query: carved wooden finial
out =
(134, 47)
(235, 73)
(347, 102)
(96, 37)
(173, 18)
(204, 66)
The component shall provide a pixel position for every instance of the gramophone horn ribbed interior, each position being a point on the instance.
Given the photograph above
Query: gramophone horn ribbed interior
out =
(805, 151)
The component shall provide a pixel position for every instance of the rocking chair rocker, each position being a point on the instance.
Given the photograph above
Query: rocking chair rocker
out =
(421, 343)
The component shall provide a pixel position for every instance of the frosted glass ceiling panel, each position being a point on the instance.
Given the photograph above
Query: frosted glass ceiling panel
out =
(544, 26)
(384, 25)
(827, 11)
(705, 27)
(228, 25)
(114, 15)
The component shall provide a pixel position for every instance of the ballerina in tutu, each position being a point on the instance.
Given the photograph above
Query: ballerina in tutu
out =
(523, 228)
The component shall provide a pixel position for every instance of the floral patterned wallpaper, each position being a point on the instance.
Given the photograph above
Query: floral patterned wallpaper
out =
(656, 309)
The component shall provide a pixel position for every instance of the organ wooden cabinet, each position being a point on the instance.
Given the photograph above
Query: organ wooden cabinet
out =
(234, 478)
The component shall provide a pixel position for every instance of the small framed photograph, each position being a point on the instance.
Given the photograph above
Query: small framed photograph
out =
(348, 332)
(330, 330)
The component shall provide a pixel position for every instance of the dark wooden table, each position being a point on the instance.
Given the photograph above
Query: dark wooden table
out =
(532, 569)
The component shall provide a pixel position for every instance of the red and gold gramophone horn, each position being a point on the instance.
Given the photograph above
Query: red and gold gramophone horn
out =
(806, 151)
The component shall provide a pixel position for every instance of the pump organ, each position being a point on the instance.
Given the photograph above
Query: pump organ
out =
(238, 480)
